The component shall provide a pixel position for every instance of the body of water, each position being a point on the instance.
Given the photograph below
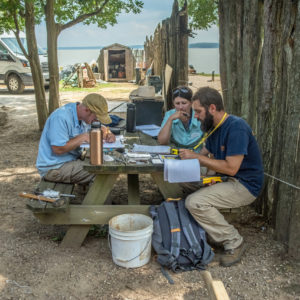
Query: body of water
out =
(203, 59)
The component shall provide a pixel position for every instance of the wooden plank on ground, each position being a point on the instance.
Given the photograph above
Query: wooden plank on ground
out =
(216, 289)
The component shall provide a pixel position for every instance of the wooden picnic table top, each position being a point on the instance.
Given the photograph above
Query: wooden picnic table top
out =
(121, 165)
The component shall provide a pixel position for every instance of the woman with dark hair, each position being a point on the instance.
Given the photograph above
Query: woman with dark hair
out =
(179, 125)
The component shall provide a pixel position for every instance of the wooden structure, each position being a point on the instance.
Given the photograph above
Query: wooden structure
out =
(85, 76)
(117, 63)
(260, 71)
(169, 46)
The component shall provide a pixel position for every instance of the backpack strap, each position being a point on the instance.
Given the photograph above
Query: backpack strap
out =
(188, 229)
(174, 227)
(201, 249)
(164, 256)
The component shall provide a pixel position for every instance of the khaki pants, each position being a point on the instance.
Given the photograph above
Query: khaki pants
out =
(204, 204)
(70, 172)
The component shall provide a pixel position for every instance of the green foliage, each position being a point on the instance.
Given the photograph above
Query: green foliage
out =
(202, 13)
(67, 11)
(10, 9)
(96, 88)
(100, 231)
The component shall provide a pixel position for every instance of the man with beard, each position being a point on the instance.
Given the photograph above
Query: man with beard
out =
(230, 149)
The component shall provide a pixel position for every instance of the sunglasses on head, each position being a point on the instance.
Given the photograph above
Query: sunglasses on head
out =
(179, 91)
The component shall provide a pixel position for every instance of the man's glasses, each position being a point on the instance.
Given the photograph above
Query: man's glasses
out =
(179, 91)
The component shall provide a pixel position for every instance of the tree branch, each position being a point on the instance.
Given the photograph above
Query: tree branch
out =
(17, 34)
(82, 17)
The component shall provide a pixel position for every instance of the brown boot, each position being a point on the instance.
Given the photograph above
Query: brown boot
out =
(232, 256)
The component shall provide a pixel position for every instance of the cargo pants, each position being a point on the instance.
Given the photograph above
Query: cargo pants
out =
(70, 172)
(204, 204)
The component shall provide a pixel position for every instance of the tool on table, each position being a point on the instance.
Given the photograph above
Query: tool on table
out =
(55, 202)
(174, 151)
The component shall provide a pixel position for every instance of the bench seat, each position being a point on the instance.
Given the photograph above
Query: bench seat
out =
(42, 206)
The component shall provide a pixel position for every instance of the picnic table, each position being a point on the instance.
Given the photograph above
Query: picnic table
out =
(93, 211)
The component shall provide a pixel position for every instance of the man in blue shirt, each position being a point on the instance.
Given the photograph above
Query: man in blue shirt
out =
(65, 130)
(230, 149)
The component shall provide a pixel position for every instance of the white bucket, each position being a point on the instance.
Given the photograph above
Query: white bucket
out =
(130, 236)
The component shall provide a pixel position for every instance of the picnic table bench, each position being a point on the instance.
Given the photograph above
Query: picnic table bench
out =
(92, 210)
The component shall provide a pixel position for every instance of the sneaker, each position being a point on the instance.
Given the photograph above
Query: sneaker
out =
(232, 256)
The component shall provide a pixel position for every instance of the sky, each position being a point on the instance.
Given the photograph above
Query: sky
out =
(131, 29)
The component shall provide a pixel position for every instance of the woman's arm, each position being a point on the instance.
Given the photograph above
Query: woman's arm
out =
(165, 133)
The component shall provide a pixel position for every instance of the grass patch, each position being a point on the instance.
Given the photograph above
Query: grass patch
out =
(96, 88)
(207, 74)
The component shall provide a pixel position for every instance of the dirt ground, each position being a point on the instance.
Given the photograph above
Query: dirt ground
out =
(34, 266)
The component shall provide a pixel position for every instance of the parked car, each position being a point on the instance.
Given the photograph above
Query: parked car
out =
(15, 71)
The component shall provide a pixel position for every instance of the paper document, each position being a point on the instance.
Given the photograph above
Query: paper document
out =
(147, 127)
(151, 149)
(117, 144)
(152, 130)
(187, 170)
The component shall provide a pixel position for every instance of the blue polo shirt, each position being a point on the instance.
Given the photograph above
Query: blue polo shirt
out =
(235, 137)
(182, 137)
(61, 126)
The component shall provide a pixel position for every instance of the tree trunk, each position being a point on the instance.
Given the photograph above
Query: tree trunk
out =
(52, 36)
(281, 97)
(260, 72)
(35, 66)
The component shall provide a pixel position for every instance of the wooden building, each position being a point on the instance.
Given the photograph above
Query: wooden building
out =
(116, 63)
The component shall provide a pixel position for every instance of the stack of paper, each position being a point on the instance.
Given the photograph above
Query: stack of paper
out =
(187, 170)
(152, 130)
(151, 149)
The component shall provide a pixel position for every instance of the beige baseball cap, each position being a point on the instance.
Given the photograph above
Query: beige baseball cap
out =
(98, 105)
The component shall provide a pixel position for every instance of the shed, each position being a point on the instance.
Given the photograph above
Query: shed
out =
(116, 63)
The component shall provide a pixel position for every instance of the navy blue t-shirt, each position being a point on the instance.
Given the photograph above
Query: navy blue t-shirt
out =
(235, 137)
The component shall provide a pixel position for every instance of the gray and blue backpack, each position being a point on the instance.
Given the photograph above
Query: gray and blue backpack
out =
(179, 241)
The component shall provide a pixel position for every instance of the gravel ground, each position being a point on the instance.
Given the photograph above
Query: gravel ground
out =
(34, 266)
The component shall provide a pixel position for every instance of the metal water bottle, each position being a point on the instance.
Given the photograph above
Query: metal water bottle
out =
(96, 144)
(130, 118)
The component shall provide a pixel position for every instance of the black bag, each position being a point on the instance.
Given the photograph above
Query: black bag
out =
(178, 240)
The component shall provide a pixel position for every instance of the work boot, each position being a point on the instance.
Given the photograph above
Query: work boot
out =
(232, 256)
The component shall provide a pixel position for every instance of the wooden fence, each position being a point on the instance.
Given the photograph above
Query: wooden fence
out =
(169, 45)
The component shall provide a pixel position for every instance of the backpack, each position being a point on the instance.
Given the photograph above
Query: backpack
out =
(178, 240)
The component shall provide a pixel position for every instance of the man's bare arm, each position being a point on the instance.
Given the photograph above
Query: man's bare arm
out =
(72, 144)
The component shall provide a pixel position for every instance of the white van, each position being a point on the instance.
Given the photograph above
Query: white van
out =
(15, 71)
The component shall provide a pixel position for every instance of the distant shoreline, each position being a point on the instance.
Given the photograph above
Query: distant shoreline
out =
(195, 45)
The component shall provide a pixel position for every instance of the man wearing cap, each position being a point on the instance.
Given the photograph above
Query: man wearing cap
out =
(65, 130)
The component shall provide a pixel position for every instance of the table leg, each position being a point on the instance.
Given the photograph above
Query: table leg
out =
(168, 190)
(97, 194)
(133, 189)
